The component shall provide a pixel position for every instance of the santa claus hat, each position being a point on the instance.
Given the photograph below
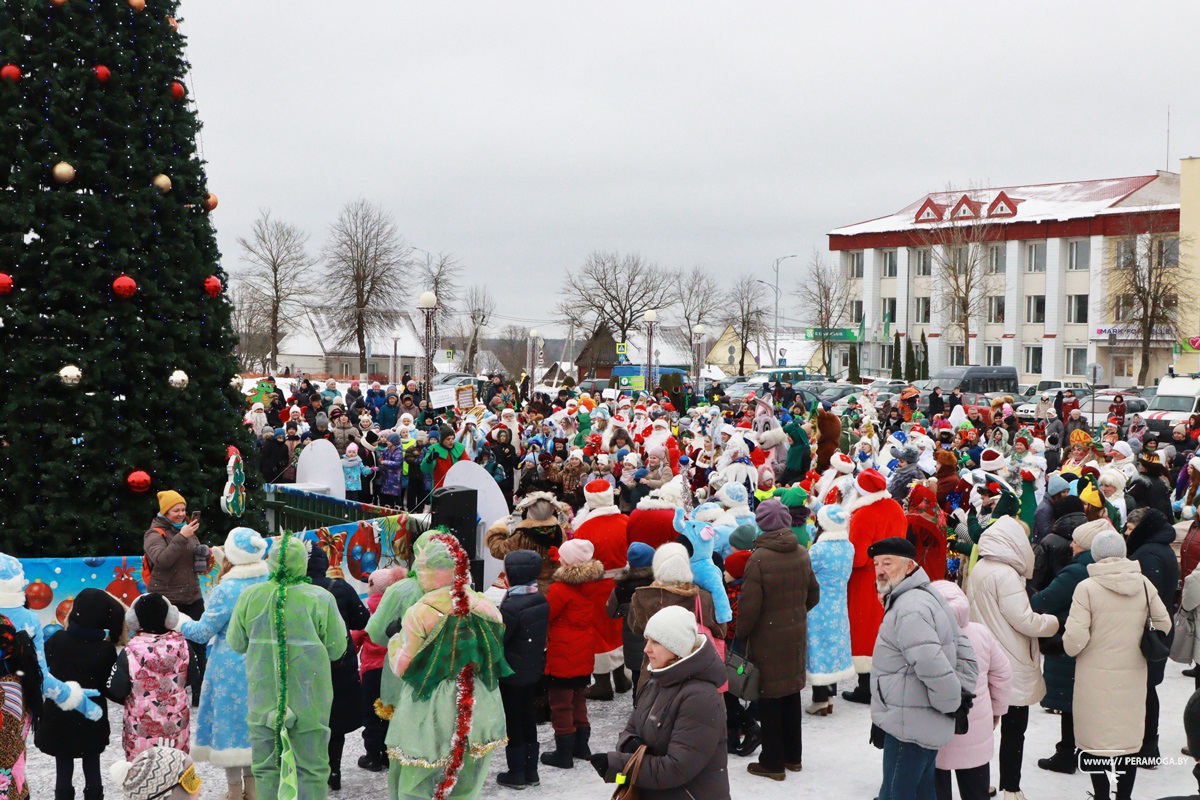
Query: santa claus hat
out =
(620, 421)
(991, 460)
(842, 463)
(871, 481)
(661, 422)
(598, 494)
(918, 430)
(640, 408)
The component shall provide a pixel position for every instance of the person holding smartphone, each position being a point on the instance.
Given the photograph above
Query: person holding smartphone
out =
(174, 560)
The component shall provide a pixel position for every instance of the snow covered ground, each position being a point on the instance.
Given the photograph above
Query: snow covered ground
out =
(838, 761)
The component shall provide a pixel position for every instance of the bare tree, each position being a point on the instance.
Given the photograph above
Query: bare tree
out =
(698, 298)
(252, 328)
(966, 261)
(824, 300)
(1147, 285)
(367, 261)
(478, 306)
(615, 292)
(276, 277)
(511, 348)
(441, 274)
(745, 314)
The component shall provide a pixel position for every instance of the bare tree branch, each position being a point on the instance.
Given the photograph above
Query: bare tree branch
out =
(746, 314)
(367, 263)
(441, 275)
(252, 327)
(698, 298)
(276, 277)
(478, 305)
(824, 300)
(614, 292)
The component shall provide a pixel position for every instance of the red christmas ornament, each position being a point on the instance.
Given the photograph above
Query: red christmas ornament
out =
(212, 286)
(103, 73)
(64, 610)
(139, 481)
(10, 73)
(6, 283)
(177, 90)
(38, 595)
(123, 585)
(124, 286)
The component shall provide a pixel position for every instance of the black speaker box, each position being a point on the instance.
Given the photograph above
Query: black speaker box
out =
(456, 508)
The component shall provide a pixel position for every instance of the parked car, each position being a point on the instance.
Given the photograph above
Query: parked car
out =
(454, 378)
(1095, 408)
(832, 394)
(593, 386)
(739, 391)
(978, 379)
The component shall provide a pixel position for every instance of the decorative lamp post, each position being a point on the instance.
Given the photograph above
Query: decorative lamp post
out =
(697, 356)
(531, 358)
(427, 304)
(650, 318)
(776, 287)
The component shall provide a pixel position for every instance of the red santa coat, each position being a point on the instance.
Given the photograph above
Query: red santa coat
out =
(608, 533)
(877, 517)
(654, 526)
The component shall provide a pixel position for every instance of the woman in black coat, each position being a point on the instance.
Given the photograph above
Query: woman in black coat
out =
(1150, 490)
(346, 714)
(85, 651)
(273, 457)
(1150, 536)
(526, 615)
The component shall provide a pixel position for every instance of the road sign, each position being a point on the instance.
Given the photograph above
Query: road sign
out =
(622, 348)
(449, 355)
(1095, 373)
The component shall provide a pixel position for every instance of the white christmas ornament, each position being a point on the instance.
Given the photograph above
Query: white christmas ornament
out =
(178, 379)
(70, 375)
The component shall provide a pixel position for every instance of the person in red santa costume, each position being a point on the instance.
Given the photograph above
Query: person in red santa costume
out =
(659, 435)
(653, 521)
(873, 516)
(602, 523)
(641, 422)
(829, 488)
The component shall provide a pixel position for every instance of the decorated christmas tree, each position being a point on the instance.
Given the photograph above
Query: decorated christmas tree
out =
(115, 335)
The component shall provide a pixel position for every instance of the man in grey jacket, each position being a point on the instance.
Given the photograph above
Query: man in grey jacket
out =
(922, 669)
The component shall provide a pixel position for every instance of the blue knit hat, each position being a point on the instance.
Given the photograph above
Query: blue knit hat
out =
(640, 555)
(1056, 485)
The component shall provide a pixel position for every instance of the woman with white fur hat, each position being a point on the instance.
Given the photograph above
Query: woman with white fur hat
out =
(222, 736)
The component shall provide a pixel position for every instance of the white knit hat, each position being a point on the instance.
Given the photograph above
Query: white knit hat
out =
(674, 627)
(671, 564)
(1108, 544)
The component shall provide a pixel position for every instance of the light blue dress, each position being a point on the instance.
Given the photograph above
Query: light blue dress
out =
(222, 736)
(829, 657)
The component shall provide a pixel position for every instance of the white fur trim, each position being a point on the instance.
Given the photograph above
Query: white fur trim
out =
(651, 503)
(12, 599)
(74, 698)
(589, 513)
(237, 757)
(862, 664)
(247, 570)
(832, 535)
(868, 499)
(826, 678)
(607, 662)
(119, 771)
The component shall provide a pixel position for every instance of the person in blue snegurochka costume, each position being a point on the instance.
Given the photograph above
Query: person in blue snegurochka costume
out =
(68, 695)
(222, 736)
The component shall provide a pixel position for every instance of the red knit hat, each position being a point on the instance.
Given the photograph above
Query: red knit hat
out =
(735, 563)
(870, 481)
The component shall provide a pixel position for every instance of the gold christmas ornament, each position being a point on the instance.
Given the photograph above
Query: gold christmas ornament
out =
(137, 5)
(64, 172)
(162, 183)
(70, 375)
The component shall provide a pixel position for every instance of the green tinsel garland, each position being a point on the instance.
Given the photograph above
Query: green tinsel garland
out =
(284, 578)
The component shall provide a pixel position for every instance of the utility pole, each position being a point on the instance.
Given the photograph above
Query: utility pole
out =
(775, 349)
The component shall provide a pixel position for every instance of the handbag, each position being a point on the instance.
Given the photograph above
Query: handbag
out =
(1154, 642)
(718, 644)
(742, 675)
(627, 780)
(1184, 646)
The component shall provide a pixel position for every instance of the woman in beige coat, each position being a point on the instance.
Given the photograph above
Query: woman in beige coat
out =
(996, 590)
(1104, 634)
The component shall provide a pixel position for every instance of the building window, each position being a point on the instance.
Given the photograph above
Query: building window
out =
(889, 309)
(889, 263)
(856, 311)
(1122, 367)
(922, 261)
(997, 259)
(845, 355)
(995, 356)
(958, 355)
(1033, 360)
(854, 264)
(1124, 308)
(1035, 257)
(1125, 252)
(995, 309)
(1076, 361)
(345, 369)
(958, 309)
(1079, 255)
(960, 258)
(1077, 308)
(885, 356)
(372, 367)
(1035, 308)
(922, 310)
(1167, 251)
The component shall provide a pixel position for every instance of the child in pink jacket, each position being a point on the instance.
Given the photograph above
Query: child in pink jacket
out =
(969, 754)
(370, 668)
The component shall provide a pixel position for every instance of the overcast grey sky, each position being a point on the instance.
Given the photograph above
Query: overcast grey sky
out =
(520, 136)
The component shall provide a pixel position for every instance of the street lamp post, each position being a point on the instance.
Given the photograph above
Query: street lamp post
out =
(776, 269)
(697, 344)
(427, 304)
(531, 359)
(651, 317)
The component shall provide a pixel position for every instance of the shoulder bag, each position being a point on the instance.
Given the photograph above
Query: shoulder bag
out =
(1184, 645)
(1154, 642)
(627, 780)
(718, 644)
(743, 675)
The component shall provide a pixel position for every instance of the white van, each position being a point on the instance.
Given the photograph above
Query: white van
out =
(1178, 397)
(781, 374)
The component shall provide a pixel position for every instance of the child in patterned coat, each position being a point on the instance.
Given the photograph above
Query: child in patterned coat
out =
(151, 677)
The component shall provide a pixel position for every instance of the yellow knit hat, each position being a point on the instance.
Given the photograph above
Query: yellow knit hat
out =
(1091, 497)
(168, 500)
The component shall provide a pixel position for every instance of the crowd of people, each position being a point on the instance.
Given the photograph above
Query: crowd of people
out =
(710, 560)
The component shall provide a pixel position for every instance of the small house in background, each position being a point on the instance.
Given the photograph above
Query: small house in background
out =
(311, 348)
(671, 343)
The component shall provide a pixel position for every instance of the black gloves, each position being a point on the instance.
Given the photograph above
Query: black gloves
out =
(631, 744)
(600, 762)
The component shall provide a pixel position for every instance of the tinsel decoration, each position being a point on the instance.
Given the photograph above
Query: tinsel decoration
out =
(462, 730)
(284, 578)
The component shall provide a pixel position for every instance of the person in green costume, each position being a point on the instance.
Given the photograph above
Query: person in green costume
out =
(799, 455)
(443, 454)
(290, 632)
(449, 655)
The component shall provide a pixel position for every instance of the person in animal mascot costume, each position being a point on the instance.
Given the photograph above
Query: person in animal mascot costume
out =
(700, 538)
(828, 438)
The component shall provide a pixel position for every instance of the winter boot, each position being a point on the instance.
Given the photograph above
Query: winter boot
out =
(621, 682)
(582, 734)
(249, 792)
(515, 777)
(862, 692)
(733, 740)
(751, 738)
(65, 794)
(335, 780)
(93, 792)
(564, 746)
(600, 690)
(1064, 761)
(233, 780)
(373, 762)
(531, 762)
(1149, 753)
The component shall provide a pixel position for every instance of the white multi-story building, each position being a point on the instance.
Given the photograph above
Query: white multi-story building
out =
(1048, 249)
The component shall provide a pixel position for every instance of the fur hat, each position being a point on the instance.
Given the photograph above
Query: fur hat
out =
(945, 458)
(833, 518)
(842, 463)
(871, 481)
(671, 564)
(157, 772)
(991, 460)
(598, 494)
(908, 454)
(772, 515)
(1085, 535)
(152, 613)
(1108, 544)
(674, 627)
(576, 551)
(244, 546)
